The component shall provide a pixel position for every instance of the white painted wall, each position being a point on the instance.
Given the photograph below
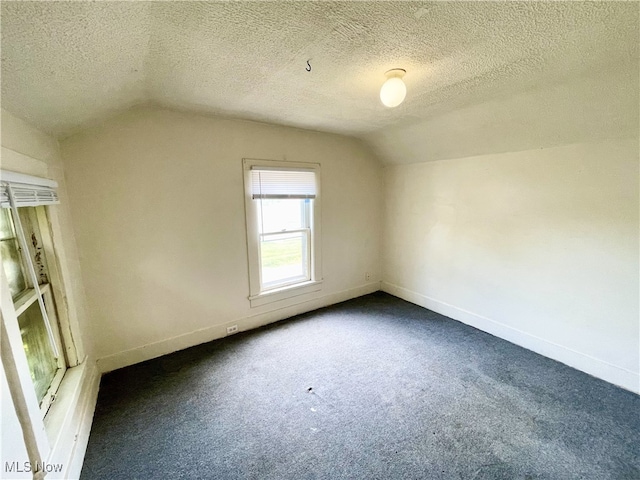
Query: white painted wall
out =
(539, 247)
(158, 203)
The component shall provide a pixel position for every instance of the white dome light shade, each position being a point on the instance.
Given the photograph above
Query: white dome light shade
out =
(393, 90)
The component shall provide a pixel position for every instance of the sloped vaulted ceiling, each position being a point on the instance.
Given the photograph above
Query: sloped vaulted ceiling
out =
(481, 76)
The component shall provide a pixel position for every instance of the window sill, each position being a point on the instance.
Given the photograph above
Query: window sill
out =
(66, 398)
(285, 293)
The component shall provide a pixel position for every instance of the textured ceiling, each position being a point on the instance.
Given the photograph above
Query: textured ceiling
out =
(67, 64)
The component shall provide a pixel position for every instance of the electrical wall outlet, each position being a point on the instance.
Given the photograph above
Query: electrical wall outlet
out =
(232, 329)
(367, 277)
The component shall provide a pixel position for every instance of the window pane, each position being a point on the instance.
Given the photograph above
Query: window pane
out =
(6, 224)
(11, 261)
(283, 214)
(12, 266)
(284, 258)
(42, 363)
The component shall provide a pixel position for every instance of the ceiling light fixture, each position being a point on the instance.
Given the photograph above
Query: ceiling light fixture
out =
(393, 90)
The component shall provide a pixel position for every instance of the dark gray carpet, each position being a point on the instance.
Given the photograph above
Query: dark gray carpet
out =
(373, 388)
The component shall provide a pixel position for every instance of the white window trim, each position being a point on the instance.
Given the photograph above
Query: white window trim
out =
(256, 297)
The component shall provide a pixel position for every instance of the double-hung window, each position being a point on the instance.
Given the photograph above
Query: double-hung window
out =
(24, 243)
(282, 202)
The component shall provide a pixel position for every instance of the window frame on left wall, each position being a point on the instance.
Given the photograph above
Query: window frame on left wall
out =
(27, 200)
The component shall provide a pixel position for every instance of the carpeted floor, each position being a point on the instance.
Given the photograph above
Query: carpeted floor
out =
(373, 388)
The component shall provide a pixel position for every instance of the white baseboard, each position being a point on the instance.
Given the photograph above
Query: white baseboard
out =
(614, 374)
(180, 342)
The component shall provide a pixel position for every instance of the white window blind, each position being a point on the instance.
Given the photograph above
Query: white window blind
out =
(28, 191)
(280, 183)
